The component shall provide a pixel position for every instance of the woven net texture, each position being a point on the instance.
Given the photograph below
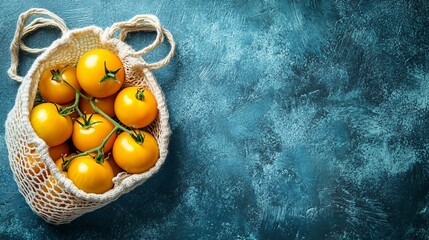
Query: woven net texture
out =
(49, 193)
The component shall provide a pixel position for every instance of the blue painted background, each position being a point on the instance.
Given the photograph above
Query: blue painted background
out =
(291, 120)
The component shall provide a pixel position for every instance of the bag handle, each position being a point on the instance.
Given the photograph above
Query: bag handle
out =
(22, 30)
(145, 22)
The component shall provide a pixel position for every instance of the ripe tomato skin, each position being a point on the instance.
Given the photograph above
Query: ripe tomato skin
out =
(86, 139)
(133, 112)
(104, 104)
(90, 176)
(134, 157)
(58, 91)
(57, 151)
(116, 169)
(90, 70)
(49, 125)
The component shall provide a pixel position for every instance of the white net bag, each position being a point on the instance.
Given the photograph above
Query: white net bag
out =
(49, 193)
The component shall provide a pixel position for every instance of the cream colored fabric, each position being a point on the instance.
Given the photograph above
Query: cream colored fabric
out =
(49, 194)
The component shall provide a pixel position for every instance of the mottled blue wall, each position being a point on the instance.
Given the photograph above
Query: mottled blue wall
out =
(290, 119)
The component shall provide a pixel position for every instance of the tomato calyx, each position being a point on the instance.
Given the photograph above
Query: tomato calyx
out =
(140, 94)
(64, 111)
(87, 121)
(110, 75)
(137, 136)
(58, 73)
(100, 158)
(75, 107)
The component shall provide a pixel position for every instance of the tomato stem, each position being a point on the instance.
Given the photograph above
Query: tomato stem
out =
(99, 158)
(109, 74)
(140, 94)
(67, 162)
(99, 111)
(79, 112)
(57, 74)
(138, 137)
(77, 91)
(87, 121)
(70, 109)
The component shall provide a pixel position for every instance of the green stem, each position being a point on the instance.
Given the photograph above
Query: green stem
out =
(109, 74)
(68, 110)
(140, 94)
(116, 124)
(98, 149)
(57, 74)
(138, 137)
(79, 112)
(77, 91)
(100, 153)
(66, 163)
(108, 137)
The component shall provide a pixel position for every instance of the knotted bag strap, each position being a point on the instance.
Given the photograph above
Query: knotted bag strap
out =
(22, 29)
(145, 23)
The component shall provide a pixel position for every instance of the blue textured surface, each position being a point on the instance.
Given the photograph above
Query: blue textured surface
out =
(290, 119)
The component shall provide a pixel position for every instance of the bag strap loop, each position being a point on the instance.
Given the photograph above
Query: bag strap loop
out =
(22, 30)
(145, 23)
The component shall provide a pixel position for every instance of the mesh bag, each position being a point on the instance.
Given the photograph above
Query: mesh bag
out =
(49, 193)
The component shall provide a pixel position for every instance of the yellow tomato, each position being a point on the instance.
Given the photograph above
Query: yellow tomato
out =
(104, 104)
(52, 86)
(100, 73)
(87, 137)
(116, 169)
(49, 125)
(135, 157)
(136, 107)
(90, 176)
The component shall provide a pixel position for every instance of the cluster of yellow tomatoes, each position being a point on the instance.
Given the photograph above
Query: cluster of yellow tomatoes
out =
(92, 124)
